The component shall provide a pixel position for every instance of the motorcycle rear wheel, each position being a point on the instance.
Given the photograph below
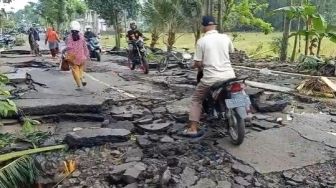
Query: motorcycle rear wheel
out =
(163, 65)
(236, 128)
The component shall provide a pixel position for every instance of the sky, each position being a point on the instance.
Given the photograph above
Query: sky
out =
(18, 4)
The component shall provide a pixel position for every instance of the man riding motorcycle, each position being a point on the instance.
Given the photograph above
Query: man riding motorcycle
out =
(133, 36)
(213, 59)
(89, 33)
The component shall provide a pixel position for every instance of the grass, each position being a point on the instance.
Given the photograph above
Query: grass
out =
(255, 44)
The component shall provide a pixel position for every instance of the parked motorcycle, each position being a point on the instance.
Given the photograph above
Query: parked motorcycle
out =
(94, 48)
(137, 57)
(8, 41)
(228, 102)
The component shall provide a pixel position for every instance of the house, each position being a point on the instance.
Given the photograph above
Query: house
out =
(92, 19)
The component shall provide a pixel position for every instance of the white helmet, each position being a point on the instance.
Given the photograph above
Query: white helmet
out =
(75, 26)
(88, 27)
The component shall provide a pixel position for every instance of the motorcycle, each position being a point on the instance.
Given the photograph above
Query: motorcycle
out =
(94, 48)
(137, 56)
(8, 41)
(228, 102)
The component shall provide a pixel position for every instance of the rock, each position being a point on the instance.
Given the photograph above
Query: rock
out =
(167, 149)
(188, 177)
(172, 162)
(128, 109)
(167, 139)
(143, 141)
(253, 92)
(287, 175)
(148, 119)
(96, 137)
(76, 174)
(155, 127)
(166, 177)
(134, 154)
(333, 120)
(176, 128)
(122, 125)
(205, 183)
(153, 137)
(120, 169)
(73, 181)
(132, 174)
(105, 123)
(133, 185)
(298, 178)
(260, 116)
(292, 183)
(241, 168)
(224, 184)
(237, 186)
(268, 106)
(159, 110)
(256, 183)
(241, 181)
(264, 124)
(122, 117)
(332, 112)
(180, 107)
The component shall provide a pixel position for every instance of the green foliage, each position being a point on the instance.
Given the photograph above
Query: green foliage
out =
(21, 172)
(276, 44)
(7, 107)
(31, 133)
(20, 41)
(6, 139)
(58, 12)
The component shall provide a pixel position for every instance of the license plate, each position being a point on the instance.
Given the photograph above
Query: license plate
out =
(238, 101)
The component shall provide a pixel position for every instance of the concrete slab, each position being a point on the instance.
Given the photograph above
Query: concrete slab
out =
(60, 95)
(279, 149)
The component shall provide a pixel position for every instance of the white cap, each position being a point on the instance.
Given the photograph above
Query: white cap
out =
(75, 26)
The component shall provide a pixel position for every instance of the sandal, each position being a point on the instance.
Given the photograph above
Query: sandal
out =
(192, 134)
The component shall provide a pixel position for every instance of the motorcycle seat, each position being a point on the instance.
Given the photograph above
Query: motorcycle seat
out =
(227, 82)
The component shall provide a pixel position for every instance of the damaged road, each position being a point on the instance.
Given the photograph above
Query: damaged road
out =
(122, 131)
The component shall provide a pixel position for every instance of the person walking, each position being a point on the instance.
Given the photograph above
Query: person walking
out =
(33, 38)
(52, 39)
(77, 54)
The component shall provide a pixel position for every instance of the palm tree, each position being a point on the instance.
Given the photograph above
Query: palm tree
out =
(164, 15)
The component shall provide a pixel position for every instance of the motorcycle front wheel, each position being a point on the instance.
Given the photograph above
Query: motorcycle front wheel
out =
(145, 66)
(236, 127)
(98, 56)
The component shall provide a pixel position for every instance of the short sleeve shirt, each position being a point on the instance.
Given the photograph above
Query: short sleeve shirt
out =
(213, 50)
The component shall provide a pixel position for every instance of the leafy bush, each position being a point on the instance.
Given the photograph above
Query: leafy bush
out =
(20, 41)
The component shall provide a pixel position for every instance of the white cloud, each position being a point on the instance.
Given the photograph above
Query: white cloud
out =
(18, 4)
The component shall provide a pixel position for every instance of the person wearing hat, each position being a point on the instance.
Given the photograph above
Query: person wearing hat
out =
(77, 53)
(213, 59)
(89, 33)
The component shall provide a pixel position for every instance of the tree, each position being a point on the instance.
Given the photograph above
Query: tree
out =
(169, 16)
(288, 15)
(59, 12)
(112, 11)
(315, 25)
(192, 12)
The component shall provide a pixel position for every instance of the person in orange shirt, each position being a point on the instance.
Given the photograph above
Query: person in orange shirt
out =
(53, 40)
